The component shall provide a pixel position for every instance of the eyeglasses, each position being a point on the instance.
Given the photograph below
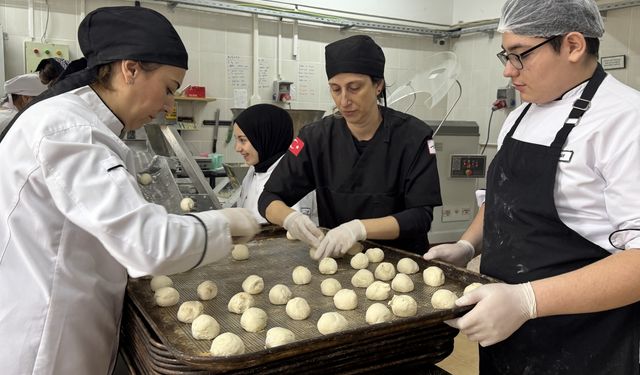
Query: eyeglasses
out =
(516, 58)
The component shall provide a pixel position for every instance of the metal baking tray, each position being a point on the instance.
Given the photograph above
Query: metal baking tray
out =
(422, 338)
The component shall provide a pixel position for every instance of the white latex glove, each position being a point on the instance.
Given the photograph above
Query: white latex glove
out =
(459, 253)
(242, 224)
(340, 239)
(500, 310)
(302, 228)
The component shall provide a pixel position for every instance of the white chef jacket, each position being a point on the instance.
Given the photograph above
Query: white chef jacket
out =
(7, 113)
(73, 223)
(596, 189)
(253, 185)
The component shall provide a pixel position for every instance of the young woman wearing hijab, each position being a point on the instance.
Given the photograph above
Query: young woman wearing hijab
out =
(74, 219)
(373, 169)
(263, 134)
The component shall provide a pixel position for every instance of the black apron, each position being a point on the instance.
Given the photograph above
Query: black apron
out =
(525, 240)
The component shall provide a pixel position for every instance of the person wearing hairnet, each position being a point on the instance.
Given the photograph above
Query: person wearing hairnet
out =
(20, 91)
(49, 70)
(263, 133)
(560, 221)
(74, 221)
(373, 169)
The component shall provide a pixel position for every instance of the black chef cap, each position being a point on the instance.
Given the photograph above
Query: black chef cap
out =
(130, 33)
(355, 54)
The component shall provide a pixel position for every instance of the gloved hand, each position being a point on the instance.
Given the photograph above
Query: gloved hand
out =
(242, 224)
(302, 228)
(340, 239)
(500, 310)
(458, 254)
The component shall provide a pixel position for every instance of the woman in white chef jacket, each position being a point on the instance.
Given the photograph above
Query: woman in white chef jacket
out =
(263, 134)
(74, 221)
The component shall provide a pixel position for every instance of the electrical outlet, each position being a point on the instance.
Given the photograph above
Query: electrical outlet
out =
(456, 213)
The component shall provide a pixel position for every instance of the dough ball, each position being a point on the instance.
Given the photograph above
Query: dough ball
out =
(166, 296)
(332, 322)
(227, 344)
(408, 266)
(375, 255)
(403, 306)
(190, 310)
(161, 281)
(443, 299)
(402, 283)
(187, 204)
(433, 276)
(378, 313)
(385, 271)
(253, 284)
(328, 266)
(359, 261)
(301, 275)
(145, 179)
(345, 299)
(253, 319)
(240, 252)
(277, 336)
(290, 236)
(298, 308)
(378, 291)
(205, 327)
(329, 287)
(312, 252)
(355, 249)
(279, 294)
(471, 287)
(362, 278)
(240, 302)
(207, 290)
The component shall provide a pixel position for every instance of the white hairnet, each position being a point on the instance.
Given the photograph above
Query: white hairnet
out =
(547, 18)
(26, 84)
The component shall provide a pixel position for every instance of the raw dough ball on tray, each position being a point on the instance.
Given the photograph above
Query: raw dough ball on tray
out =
(329, 287)
(471, 287)
(160, 281)
(402, 283)
(362, 279)
(443, 299)
(145, 179)
(298, 308)
(345, 299)
(253, 284)
(378, 291)
(166, 296)
(433, 276)
(328, 266)
(378, 313)
(207, 290)
(190, 310)
(332, 322)
(385, 271)
(205, 327)
(240, 302)
(375, 255)
(187, 204)
(301, 275)
(279, 294)
(277, 336)
(359, 261)
(403, 306)
(408, 266)
(253, 319)
(227, 344)
(240, 252)
(355, 249)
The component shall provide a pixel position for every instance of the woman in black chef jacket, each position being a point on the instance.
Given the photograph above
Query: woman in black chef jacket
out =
(373, 168)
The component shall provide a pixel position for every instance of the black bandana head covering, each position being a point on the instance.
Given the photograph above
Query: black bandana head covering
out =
(270, 131)
(58, 64)
(355, 54)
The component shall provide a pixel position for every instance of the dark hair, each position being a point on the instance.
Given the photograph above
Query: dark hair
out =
(593, 45)
(104, 72)
(49, 74)
(377, 80)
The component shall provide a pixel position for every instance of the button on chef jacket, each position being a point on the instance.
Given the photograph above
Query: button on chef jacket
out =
(74, 222)
(396, 174)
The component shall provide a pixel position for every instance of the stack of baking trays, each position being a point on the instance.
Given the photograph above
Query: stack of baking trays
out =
(153, 340)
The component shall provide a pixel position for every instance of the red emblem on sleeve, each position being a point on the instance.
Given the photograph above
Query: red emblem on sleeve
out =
(296, 146)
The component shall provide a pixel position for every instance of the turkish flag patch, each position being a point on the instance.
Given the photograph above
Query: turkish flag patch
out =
(296, 146)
